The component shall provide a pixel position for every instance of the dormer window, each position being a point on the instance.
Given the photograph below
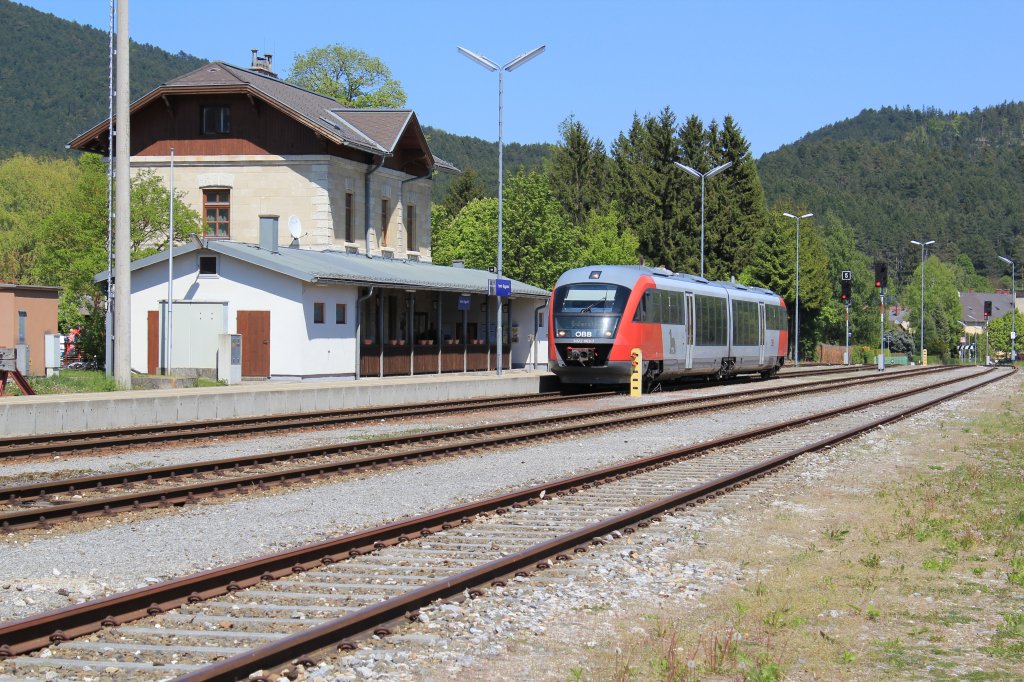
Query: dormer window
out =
(216, 120)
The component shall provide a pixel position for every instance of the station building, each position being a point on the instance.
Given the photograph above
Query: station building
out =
(316, 242)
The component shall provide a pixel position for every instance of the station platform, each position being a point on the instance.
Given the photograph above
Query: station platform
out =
(66, 413)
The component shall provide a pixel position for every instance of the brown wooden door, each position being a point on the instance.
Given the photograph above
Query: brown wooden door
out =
(254, 326)
(153, 341)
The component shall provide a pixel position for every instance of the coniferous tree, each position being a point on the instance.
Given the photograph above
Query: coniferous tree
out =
(464, 189)
(647, 190)
(578, 172)
(737, 204)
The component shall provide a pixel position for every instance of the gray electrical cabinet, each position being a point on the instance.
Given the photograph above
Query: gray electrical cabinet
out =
(229, 359)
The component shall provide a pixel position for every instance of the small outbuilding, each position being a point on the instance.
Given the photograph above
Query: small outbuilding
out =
(305, 313)
(27, 314)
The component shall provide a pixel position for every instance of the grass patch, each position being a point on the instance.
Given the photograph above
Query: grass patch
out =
(70, 381)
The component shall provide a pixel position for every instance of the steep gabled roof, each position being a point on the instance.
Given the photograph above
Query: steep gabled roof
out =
(375, 131)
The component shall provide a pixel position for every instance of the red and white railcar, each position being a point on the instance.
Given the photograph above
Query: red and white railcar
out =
(684, 324)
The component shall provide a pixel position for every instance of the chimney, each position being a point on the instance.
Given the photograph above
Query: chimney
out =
(264, 64)
(268, 233)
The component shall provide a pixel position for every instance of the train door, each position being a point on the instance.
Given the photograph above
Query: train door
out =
(691, 325)
(760, 332)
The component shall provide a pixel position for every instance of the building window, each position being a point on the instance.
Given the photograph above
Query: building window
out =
(217, 210)
(410, 228)
(339, 313)
(318, 313)
(22, 319)
(216, 120)
(384, 211)
(208, 265)
(349, 237)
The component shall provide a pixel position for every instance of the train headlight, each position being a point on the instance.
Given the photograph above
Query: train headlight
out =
(561, 332)
(608, 334)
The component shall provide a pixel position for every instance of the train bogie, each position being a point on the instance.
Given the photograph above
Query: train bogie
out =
(685, 326)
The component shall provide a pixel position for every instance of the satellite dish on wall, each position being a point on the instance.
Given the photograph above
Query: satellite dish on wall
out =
(294, 226)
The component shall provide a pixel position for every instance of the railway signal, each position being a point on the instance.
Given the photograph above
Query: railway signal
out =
(881, 275)
(988, 309)
(845, 294)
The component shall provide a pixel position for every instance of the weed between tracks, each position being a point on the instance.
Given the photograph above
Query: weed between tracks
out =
(913, 568)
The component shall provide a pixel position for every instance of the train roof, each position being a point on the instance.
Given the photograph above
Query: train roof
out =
(628, 274)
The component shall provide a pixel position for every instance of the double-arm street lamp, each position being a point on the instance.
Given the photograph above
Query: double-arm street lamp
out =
(796, 307)
(697, 174)
(1013, 307)
(492, 67)
(923, 245)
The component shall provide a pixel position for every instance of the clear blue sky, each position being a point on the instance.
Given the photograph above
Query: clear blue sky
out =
(781, 68)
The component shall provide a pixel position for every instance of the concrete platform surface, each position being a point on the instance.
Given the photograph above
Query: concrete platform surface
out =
(66, 413)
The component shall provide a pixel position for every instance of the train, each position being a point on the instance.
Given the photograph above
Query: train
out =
(684, 325)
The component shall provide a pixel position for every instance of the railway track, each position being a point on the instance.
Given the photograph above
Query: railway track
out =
(41, 504)
(292, 608)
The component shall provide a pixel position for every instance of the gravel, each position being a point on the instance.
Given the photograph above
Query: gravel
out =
(50, 572)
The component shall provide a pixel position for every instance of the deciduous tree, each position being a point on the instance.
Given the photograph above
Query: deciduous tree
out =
(351, 76)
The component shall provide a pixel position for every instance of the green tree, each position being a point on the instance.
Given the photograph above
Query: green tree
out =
(464, 189)
(941, 306)
(738, 213)
(774, 266)
(578, 172)
(539, 240)
(151, 215)
(350, 76)
(73, 247)
(648, 188)
(607, 243)
(999, 336)
(31, 189)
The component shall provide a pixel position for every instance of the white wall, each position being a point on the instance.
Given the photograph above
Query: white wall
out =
(297, 346)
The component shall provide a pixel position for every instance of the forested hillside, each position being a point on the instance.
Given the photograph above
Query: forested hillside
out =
(53, 78)
(481, 156)
(899, 174)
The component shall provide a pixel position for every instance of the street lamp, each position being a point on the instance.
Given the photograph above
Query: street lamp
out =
(492, 67)
(1013, 307)
(922, 245)
(697, 174)
(796, 347)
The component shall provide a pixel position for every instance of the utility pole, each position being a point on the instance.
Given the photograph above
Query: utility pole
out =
(122, 215)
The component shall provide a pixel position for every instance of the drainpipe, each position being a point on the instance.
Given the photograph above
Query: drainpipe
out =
(536, 328)
(359, 328)
(367, 213)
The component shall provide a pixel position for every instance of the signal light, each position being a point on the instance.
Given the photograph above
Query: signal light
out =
(988, 309)
(881, 275)
(845, 294)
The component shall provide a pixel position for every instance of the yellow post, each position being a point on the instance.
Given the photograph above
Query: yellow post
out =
(924, 357)
(636, 374)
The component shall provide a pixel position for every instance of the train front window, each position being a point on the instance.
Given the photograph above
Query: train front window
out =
(588, 311)
(597, 299)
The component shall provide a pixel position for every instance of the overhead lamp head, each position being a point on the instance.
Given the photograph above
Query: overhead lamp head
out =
(807, 215)
(1005, 260)
(914, 241)
(689, 170)
(523, 58)
(930, 241)
(789, 215)
(479, 59)
(715, 171)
